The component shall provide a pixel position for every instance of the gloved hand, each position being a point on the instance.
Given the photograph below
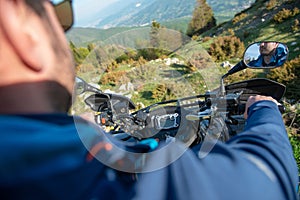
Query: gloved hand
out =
(253, 99)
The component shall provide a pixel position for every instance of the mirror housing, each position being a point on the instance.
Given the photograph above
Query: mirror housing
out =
(80, 86)
(261, 55)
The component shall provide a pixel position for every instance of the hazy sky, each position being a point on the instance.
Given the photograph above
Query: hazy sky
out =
(85, 10)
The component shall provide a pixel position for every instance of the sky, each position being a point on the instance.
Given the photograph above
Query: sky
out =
(85, 10)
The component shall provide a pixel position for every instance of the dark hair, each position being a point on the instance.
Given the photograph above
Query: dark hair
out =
(37, 6)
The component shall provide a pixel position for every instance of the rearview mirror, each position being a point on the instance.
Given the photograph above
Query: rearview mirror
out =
(79, 85)
(265, 55)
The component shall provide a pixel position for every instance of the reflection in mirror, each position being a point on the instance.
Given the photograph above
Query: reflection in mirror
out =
(266, 55)
(79, 85)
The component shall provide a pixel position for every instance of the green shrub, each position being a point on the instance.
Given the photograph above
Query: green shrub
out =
(226, 47)
(291, 118)
(271, 4)
(289, 75)
(239, 18)
(164, 92)
(246, 34)
(295, 142)
(159, 92)
(285, 14)
(231, 32)
(152, 53)
(296, 25)
(195, 37)
(205, 39)
(111, 67)
(79, 53)
(122, 58)
(292, 122)
(112, 78)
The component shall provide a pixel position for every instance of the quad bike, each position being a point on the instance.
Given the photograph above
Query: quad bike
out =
(217, 114)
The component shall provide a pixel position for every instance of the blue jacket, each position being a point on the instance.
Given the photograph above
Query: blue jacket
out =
(256, 164)
(43, 157)
(278, 59)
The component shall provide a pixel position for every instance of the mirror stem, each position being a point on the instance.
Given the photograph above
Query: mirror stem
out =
(222, 86)
(93, 89)
(238, 67)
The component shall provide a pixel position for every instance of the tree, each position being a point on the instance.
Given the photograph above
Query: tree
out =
(79, 53)
(156, 43)
(154, 34)
(203, 19)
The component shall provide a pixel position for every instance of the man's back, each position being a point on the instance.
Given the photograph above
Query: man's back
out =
(42, 157)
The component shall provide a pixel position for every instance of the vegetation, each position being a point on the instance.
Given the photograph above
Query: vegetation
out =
(112, 78)
(154, 80)
(79, 53)
(285, 14)
(289, 75)
(226, 47)
(239, 18)
(203, 19)
(292, 122)
(182, 12)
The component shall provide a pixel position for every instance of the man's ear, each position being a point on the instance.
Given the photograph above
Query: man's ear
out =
(17, 22)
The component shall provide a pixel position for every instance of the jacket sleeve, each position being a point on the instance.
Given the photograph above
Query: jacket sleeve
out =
(256, 164)
(265, 139)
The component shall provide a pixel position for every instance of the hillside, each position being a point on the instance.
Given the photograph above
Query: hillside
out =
(257, 23)
(83, 36)
(148, 76)
(142, 12)
(125, 15)
(225, 10)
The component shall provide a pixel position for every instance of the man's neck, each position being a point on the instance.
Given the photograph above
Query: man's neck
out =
(267, 59)
(33, 98)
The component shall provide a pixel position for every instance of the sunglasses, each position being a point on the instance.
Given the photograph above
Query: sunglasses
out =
(64, 13)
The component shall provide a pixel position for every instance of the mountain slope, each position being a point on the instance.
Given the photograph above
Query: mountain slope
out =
(257, 24)
(137, 13)
(142, 12)
(173, 14)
